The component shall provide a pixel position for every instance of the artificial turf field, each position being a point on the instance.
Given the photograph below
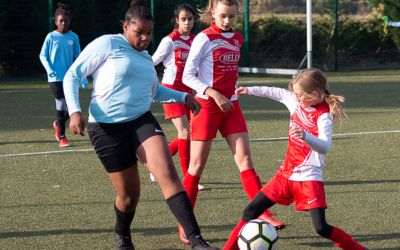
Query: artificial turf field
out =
(52, 198)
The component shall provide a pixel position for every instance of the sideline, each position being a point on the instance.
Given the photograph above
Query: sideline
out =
(217, 141)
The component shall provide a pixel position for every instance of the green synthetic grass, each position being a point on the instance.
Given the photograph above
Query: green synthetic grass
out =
(62, 199)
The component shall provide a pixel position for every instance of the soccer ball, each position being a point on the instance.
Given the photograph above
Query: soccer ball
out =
(258, 235)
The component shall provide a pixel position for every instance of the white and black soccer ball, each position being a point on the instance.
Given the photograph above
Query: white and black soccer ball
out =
(258, 235)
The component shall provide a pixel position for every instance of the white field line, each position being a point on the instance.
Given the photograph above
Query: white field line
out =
(47, 152)
(20, 91)
(217, 140)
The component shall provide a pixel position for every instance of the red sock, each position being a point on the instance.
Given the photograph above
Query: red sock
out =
(344, 240)
(173, 146)
(250, 182)
(191, 183)
(184, 154)
(231, 244)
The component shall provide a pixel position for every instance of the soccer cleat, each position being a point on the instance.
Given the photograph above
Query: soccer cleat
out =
(123, 242)
(153, 178)
(182, 235)
(201, 187)
(56, 130)
(63, 142)
(267, 217)
(198, 243)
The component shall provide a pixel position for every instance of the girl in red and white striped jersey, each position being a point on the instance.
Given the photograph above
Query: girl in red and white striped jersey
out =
(173, 52)
(212, 71)
(299, 178)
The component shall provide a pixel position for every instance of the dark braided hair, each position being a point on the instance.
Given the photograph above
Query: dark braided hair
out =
(62, 9)
(187, 7)
(184, 7)
(138, 9)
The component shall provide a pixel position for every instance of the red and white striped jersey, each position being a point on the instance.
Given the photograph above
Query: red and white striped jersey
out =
(213, 62)
(173, 52)
(304, 159)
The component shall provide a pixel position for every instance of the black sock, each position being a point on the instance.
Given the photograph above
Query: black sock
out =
(66, 115)
(61, 122)
(179, 204)
(123, 221)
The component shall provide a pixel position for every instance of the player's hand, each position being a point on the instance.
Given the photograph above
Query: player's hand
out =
(77, 123)
(296, 133)
(193, 105)
(241, 91)
(223, 103)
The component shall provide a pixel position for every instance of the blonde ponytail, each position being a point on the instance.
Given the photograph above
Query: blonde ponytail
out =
(335, 103)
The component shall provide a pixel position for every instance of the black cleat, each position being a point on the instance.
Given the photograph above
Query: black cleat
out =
(123, 242)
(198, 243)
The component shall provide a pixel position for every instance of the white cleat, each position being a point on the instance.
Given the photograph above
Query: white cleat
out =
(200, 187)
(153, 178)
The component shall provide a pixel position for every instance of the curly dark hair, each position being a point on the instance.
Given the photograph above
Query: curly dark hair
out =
(62, 9)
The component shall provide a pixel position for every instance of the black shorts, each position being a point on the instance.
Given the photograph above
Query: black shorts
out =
(116, 143)
(57, 90)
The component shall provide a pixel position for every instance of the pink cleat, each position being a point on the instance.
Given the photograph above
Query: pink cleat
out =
(267, 217)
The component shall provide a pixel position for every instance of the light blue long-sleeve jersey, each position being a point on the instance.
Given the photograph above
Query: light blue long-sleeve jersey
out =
(394, 24)
(58, 53)
(124, 81)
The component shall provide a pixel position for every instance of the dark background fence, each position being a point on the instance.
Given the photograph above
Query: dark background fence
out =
(277, 31)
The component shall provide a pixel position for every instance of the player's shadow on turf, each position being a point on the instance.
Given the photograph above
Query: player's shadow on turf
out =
(29, 234)
(363, 239)
(150, 231)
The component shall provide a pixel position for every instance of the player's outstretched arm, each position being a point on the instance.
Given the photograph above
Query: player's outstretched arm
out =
(241, 91)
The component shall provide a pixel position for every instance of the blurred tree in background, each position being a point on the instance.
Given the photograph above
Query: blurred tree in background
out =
(390, 8)
(277, 30)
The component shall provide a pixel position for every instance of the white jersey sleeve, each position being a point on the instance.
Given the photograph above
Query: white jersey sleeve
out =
(163, 49)
(278, 94)
(323, 143)
(199, 49)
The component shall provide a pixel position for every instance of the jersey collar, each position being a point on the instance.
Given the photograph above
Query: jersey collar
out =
(219, 30)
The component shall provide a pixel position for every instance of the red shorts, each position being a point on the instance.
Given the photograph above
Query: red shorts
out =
(204, 126)
(177, 109)
(305, 194)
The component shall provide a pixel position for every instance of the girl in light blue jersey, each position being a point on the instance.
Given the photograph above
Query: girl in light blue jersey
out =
(60, 49)
(121, 127)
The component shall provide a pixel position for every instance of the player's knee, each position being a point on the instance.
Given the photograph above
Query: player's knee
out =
(197, 165)
(244, 161)
(129, 202)
(323, 229)
(184, 133)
